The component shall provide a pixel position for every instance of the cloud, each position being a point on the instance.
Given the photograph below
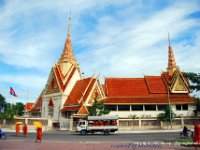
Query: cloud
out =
(135, 48)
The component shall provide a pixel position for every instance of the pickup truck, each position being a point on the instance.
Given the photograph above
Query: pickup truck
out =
(104, 124)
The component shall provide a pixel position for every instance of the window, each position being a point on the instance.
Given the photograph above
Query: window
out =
(111, 107)
(162, 107)
(123, 107)
(81, 123)
(137, 107)
(185, 106)
(150, 107)
(178, 107)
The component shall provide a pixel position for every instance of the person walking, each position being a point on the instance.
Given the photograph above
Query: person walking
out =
(17, 129)
(39, 135)
(25, 129)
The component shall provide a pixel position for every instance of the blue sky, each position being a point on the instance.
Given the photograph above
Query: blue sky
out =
(116, 38)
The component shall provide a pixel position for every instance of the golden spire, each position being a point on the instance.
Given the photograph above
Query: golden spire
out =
(68, 34)
(67, 54)
(171, 60)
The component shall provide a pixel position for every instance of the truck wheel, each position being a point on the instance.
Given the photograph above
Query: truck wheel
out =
(83, 132)
(106, 132)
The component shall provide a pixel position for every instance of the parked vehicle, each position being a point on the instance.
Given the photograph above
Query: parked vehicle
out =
(104, 124)
(2, 135)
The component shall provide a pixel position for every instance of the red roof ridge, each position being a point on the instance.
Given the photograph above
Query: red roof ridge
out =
(86, 89)
(58, 77)
(123, 78)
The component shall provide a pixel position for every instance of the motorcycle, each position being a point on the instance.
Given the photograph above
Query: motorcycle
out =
(2, 135)
(189, 134)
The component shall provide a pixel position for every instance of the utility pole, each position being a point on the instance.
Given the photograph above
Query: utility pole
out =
(170, 111)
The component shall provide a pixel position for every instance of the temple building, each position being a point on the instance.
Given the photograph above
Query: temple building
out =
(67, 94)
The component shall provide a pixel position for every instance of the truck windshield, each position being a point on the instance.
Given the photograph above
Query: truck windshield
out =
(81, 123)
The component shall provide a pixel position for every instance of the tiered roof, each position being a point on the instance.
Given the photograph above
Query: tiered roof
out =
(79, 95)
(169, 86)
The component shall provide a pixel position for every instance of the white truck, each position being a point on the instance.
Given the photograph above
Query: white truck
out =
(92, 124)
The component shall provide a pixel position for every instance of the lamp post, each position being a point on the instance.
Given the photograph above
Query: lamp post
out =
(170, 112)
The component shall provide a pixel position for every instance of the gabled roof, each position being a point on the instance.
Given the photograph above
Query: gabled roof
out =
(63, 80)
(28, 106)
(83, 110)
(38, 104)
(79, 93)
(126, 87)
(156, 84)
(150, 89)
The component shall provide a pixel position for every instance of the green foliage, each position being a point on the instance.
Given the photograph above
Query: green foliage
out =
(166, 116)
(19, 108)
(10, 110)
(133, 116)
(197, 104)
(97, 109)
(195, 80)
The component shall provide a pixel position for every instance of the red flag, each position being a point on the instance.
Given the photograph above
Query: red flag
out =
(12, 92)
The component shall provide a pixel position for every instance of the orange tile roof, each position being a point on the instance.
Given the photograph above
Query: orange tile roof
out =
(126, 87)
(71, 108)
(83, 110)
(79, 93)
(150, 89)
(38, 104)
(28, 106)
(156, 84)
(149, 100)
(81, 86)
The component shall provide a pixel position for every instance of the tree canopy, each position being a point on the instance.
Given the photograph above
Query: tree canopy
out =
(97, 109)
(8, 110)
(194, 79)
(168, 115)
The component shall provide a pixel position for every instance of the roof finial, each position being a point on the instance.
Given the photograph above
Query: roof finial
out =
(169, 39)
(171, 60)
(68, 34)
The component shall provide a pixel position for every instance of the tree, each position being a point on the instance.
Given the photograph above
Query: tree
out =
(2, 107)
(197, 104)
(2, 100)
(195, 80)
(166, 116)
(97, 109)
(19, 107)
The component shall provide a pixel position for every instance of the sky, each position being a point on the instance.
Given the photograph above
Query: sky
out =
(113, 38)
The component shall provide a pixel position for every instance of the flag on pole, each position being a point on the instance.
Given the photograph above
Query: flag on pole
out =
(12, 92)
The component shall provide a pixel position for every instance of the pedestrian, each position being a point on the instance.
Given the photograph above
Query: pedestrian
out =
(17, 129)
(39, 135)
(25, 129)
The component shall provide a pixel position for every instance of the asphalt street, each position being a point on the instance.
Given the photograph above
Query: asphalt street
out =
(59, 140)
(76, 137)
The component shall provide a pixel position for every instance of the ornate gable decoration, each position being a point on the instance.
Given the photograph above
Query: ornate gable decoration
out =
(51, 105)
(52, 86)
(179, 86)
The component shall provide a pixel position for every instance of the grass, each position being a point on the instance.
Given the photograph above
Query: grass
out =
(188, 142)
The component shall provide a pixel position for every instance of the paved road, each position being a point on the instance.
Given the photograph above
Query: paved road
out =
(75, 137)
(73, 141)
